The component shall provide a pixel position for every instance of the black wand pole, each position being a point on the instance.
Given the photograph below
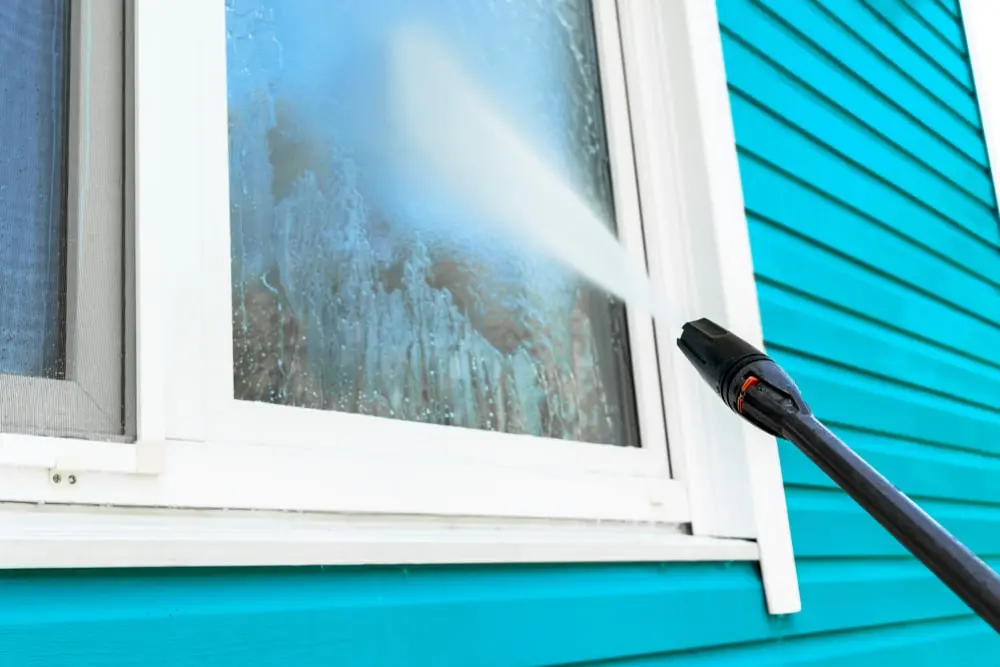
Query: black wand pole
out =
(760, 391)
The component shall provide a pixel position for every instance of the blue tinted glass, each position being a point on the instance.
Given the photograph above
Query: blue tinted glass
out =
(33, 101)
(356, 288)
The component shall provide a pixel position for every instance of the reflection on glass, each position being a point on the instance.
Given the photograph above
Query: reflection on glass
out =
(33, 104)
(356, 290)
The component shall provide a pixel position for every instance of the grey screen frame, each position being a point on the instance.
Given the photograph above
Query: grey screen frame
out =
(91, 401)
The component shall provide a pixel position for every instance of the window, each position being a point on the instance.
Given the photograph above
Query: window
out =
(62, 368)
(359, 286)
(333, 317)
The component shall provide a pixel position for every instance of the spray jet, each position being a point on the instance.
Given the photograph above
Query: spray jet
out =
(453, 133)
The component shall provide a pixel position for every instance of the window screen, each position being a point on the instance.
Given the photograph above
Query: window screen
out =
(61, 217)
(34, 88)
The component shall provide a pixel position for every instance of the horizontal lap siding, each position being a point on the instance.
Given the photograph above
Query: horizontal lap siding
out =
(701, 613)
(874, 232)
(877, 251)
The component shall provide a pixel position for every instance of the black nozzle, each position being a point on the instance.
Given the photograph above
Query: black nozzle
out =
(746, 379)
(717, 353)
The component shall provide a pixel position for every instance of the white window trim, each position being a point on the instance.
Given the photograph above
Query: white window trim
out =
(199, 450)
(74, 537)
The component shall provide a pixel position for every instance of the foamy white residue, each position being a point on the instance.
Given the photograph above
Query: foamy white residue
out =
(453, 133)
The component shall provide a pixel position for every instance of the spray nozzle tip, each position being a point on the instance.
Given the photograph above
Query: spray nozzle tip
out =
(714, 351)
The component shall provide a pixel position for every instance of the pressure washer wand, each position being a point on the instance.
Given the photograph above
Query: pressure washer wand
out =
(756, 388)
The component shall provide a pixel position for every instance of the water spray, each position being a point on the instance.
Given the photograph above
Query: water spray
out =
(455, 134)
(449, 131)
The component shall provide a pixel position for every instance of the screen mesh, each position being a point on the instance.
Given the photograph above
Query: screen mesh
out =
(34, 88)
(62, 218)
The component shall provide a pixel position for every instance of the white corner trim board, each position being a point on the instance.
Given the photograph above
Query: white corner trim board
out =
(981, 18)
(711, 187)
(44, 536)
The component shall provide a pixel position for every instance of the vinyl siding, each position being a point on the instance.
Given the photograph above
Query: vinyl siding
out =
(876, 248)
(875, 241)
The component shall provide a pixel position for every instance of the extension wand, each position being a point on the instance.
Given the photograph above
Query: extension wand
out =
(757, 389)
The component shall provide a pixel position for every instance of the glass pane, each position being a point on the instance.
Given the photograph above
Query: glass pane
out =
(357, 289)
(34, 38)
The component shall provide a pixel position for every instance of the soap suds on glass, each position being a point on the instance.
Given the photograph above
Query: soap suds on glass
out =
(422, 214)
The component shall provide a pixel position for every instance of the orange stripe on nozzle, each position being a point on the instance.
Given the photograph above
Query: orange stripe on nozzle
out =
(750, 381)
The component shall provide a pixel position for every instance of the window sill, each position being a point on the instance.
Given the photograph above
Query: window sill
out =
(46, 536)
(386, 478)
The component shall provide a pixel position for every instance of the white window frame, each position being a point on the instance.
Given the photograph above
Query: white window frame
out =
(210, 480)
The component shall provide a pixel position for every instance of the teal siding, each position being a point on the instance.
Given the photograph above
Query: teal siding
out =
(876, 246)
(482, 616)
(875, 240)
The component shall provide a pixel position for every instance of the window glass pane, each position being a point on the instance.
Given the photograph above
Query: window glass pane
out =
(357, 289)
(33, 109)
